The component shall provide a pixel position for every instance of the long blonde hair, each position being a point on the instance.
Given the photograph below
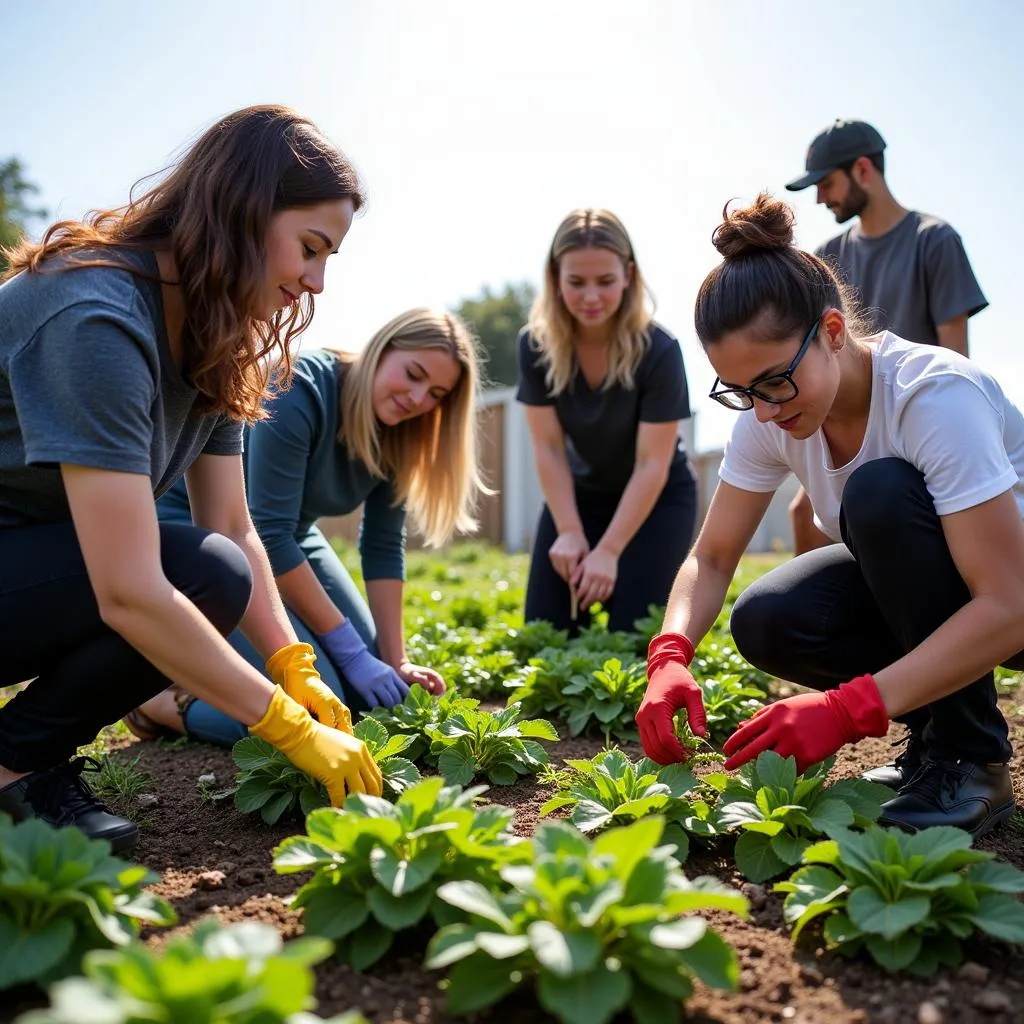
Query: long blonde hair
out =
(433, 458)
(212, 211)
(552, 327)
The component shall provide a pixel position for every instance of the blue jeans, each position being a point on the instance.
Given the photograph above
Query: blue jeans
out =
(206, 723)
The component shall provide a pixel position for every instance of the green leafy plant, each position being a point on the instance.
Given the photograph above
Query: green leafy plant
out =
(542, 691)
(242, 974)
(608, 697)
(596, 926)
(377, 865)
(613, 790)
(269, 783)
(715, 658)
(62, 895)
(727, 703)
(420, 715)
(781, 814)
(475, 742)
(528, 640)
(909, 900)
(597, 639)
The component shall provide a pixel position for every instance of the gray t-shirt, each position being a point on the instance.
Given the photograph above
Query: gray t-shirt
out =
(910, 279)
(601, 424)
(87, 378)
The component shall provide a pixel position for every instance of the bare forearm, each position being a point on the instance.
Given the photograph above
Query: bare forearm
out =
(304, 594)
(265, 624)
(697, 596)
(172, 634)
(639, 497)
(557, 486)
(981, 635)
(385, 600)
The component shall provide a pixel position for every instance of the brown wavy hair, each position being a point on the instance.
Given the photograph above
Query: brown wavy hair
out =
(211, 211)
(764, 277)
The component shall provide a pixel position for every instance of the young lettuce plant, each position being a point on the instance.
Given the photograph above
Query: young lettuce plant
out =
(608, 697)
(62, 895)
(781, 814)
(242, 974)
(269, 783)
(908, 900)
(541, 692)
(420, 715)
(499, 745)
(728, 703)
(377, 866)
(613, 790)
(595, 926)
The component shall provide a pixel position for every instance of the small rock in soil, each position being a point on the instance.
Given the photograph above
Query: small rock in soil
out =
(208, 778)
(211, 879)
(929, 1013)
(972, 973)
(991, 1000)
(811, 974)
(748, 979)
(146, 800)
(943, 985)
(757, 894)
(788, 1012)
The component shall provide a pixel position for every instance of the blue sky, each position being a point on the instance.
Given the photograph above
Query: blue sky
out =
(477, 126)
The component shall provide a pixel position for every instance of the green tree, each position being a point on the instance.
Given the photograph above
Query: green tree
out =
(15, 211)
(496, 317)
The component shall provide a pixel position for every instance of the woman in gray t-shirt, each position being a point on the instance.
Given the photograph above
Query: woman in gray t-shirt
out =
(605, 391)
(133, 347)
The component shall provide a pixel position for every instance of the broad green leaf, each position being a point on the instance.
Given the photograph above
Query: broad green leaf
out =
(457, 764)
(538, 728)
(589, 816)
(839, 929)
(276, 807)
(556, 803)
(369, 944)
(24, 956)
(452, 943)
(712, 960)
(333, 913)
(679, 779)
(755, 858)
(896, 953)
(775, 771)
(398, 912)
(501, 946)
(649, 1006)
(864, 798)
(591, 905)
(789, 848)
(400, 875)
(563, 953)
(679, 934)
(474, 898)
(873, 914)
(740, 812)
(830, 814)
(629, 845)
(1000, 915)
(591, 998)
(479, 981)
(807, 886)
(997, 876)
(300, 853)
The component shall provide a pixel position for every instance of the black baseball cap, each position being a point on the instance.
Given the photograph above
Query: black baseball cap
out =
(838, 144)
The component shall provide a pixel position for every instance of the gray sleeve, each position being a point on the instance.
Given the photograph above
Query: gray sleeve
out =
(84, 387)
(226, 438)
(382, 535)
(532, 389)
(661, 380)
(953, 290)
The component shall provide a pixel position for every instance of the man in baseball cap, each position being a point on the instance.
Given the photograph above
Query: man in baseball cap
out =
(910, 273)
(838, 145)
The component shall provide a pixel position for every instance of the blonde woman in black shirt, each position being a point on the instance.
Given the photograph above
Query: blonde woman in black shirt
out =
(605, 391)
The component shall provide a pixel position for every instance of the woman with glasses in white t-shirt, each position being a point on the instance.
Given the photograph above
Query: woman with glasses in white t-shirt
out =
(913, 458)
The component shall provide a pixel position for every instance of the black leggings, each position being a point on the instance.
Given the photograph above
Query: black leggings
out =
(647, 566)
(85, 675)
(846, 609)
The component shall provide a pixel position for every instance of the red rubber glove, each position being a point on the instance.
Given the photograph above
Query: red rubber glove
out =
(670, 687)
(811, 726)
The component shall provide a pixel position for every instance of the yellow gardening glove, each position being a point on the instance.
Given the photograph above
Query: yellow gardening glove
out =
(292, 669)
(340, 761)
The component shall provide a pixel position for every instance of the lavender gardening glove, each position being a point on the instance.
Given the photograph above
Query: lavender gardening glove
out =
(378, 684)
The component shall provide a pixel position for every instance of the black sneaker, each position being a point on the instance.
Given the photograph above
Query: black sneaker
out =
(896, 774)
(61, 797)
(974, 797)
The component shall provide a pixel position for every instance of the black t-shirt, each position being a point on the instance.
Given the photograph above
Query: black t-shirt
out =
(601, 424)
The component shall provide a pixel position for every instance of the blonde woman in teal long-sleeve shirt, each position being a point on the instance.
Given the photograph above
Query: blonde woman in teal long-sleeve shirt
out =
(391, 428)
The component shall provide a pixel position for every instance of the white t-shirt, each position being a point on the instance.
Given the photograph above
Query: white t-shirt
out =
(930, 407)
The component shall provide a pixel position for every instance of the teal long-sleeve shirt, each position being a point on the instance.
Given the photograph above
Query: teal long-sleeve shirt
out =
(298, 471)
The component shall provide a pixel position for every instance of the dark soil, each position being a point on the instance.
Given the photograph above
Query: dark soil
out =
(189, 841)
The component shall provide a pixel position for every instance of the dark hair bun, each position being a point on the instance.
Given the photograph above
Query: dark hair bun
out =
(766, 224)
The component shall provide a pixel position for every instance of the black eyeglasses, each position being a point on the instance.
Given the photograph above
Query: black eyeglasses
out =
(777, 389)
